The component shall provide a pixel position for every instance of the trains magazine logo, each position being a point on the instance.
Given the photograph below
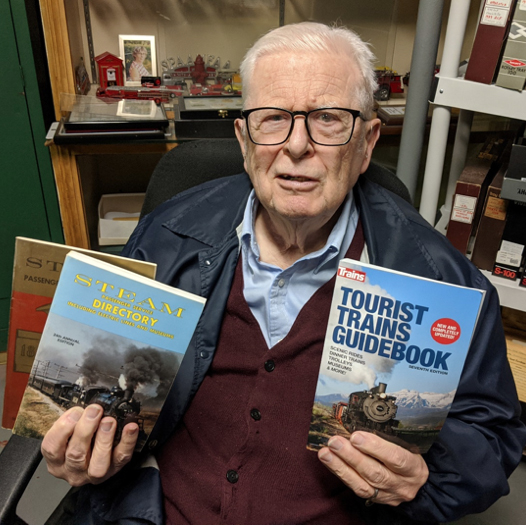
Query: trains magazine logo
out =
(349, 273)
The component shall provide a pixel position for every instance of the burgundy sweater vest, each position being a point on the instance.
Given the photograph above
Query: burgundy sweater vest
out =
(239, 456)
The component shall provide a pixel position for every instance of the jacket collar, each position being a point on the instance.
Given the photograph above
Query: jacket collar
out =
(221, 204)
(389, 221)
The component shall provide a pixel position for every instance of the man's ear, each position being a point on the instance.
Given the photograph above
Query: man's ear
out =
(239, 127)
(372, 134)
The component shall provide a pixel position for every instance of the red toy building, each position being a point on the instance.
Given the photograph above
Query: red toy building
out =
(111, 70)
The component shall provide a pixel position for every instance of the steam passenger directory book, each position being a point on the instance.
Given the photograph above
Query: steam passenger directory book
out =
(393, 355)
(36, 270)
(112, 337)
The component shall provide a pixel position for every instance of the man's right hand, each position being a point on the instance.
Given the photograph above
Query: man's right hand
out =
(72, 454)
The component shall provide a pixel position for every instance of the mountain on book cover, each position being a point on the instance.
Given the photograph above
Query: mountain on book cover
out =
(113, 338)
(393, 355)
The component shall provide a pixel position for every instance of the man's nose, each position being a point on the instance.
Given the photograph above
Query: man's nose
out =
(299, 141)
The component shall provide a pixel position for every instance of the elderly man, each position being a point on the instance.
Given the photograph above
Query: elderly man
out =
(231, 440)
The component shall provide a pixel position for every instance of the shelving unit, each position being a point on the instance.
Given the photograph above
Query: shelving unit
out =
(481, 98)
(510, 294)
(453, 91)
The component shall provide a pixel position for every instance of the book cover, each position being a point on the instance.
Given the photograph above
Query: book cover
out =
(113, 338)
(36, 269)
(512, 69)
(489, 40)
(393, 354)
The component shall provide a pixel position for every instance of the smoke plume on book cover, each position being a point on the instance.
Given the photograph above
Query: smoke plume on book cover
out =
(393, 355)
(113, 338)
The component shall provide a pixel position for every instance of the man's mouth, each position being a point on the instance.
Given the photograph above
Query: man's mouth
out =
(298, 179)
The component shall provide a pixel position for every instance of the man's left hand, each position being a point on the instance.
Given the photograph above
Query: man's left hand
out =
(367, 462)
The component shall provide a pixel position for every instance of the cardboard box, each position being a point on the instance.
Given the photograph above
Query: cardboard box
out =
(118, 217)
(489, 40)
(516, 348)
(512, 70)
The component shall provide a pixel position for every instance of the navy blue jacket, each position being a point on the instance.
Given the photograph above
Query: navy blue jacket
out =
(193, 240)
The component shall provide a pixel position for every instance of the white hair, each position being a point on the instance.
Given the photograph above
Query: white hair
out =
(314, 37)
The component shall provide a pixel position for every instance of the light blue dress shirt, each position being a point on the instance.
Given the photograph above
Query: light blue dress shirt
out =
(276, 296)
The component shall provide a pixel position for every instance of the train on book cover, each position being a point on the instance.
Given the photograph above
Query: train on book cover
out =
(375, 411)
(115, 401)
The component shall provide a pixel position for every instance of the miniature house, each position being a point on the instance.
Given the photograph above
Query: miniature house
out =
(111, 70)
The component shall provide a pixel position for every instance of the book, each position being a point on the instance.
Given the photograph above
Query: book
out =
(512, 68)
(470, 192)
(490, 37)
(36, 269)
(392, 357)
(113, 338)
(491, 224)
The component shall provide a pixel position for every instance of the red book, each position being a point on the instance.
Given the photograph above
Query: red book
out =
(470, 193)
(490, 37)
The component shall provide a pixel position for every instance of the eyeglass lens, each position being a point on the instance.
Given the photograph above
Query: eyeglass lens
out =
(327, 126)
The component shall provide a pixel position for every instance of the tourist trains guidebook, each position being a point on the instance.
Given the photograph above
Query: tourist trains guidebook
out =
(112, 337)
(393, 354)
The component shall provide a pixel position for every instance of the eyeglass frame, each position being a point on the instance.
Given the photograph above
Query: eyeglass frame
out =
(355, 113)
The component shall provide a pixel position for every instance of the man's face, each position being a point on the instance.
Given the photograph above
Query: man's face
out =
(301, 180)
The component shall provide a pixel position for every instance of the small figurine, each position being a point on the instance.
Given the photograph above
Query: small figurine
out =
(198, 70)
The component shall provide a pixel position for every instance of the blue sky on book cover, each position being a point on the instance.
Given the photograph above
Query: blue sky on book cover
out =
(425, 325)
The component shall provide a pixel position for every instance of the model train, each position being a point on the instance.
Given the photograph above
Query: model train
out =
(372, 410)
(116, 402)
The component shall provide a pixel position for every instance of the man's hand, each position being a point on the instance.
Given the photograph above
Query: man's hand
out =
(74, 455)
(366, 462)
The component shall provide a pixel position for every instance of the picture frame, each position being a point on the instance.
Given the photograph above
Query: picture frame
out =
(139, 57)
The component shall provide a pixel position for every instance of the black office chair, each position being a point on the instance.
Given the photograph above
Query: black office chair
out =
(189, 164)
(186, 165)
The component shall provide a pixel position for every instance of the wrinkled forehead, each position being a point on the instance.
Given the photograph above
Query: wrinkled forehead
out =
(293, 79)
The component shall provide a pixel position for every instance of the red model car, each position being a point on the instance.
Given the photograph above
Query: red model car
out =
(388, 82)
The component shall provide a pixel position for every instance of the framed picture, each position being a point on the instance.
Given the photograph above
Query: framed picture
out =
(138, 55)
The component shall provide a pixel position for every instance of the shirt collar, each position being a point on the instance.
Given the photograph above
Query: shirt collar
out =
(332, 246)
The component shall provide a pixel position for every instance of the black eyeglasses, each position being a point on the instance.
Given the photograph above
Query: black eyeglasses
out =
(325, 126)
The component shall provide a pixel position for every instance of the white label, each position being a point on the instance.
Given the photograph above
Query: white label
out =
(495, 16)
(499, 3)
(463, 208)
(522, 5)
(394, 110)
(509, 254)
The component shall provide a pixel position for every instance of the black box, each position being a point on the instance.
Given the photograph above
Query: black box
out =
(210, 117)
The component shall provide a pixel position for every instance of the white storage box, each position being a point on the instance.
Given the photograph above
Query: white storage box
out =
(118, 216)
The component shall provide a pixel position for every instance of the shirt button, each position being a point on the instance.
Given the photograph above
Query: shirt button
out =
(270, 365)
(204, 354)
(255, 414)
(232, 476)
(281, 282)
